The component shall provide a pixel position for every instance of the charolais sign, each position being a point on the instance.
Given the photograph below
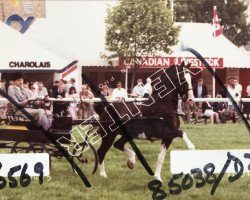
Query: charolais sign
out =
(15, 64)
(164, 62)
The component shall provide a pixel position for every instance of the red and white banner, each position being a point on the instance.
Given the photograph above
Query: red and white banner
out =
(69, 71)
(165, 62)
(218, 30)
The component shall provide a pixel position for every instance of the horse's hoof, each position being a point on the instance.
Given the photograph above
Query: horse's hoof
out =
(130, 164)
(104, 175)
(192, 147)
(158, 178)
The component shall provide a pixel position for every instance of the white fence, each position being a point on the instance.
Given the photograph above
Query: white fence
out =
(3, 100)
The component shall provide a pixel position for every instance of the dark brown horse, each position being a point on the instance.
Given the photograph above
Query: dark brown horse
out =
(155, 118)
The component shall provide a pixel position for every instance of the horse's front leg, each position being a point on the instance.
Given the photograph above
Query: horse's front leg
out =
(190, 145)
(161, 157)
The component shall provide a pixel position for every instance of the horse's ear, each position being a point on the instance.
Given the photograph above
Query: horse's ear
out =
(188, 65)
(182, 64)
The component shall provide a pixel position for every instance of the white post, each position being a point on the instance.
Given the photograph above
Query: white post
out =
(126, 79)
(172, 8)
(79, 77)
(214, 84)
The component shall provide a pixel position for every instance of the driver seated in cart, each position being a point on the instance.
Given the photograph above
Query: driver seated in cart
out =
(21, 96)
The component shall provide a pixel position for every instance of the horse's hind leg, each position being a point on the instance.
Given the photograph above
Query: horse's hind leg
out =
(161, 158)
(190, 145)
(107, 142)
(119, 144)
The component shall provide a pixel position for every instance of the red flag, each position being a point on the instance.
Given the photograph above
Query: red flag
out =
(218, 30)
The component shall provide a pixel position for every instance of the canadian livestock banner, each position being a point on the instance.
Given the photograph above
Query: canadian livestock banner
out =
(164, 62)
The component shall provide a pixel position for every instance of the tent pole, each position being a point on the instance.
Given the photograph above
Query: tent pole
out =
(79, 77)
(214, 84)
(126, 79)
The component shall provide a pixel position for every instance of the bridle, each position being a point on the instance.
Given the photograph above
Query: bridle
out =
(183, 93)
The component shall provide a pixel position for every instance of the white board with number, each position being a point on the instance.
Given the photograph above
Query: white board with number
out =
(36, 163)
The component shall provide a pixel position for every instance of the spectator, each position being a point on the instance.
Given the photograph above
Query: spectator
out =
(147, 89)
(222, 92)
(180, 106)
(105, 91)
(42, 91)
(194, 113)
(234, 92)
(26, 84)
(3, 85)
(86, 93)
(60, 108)
(19, 95)
(119, 93)
(87, 109)
(10, 86)
(62, 88)
(71, 83)
(54, 89)
(138, 89)
(35, 84)
(220, 108)
(248, 90)
(72, 106)
(33, 91)
(200, 90)
(238, 87)
(207, 110)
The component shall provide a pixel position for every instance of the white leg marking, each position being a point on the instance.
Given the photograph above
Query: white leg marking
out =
(160, 161)
(190, 145)
(102, 170)
(130, 153)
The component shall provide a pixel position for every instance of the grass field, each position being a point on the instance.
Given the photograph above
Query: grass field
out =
(126, 184)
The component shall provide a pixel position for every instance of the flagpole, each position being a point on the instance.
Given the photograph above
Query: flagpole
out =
(214, 84)
(172, 8)
(218, 30)
(126, 79)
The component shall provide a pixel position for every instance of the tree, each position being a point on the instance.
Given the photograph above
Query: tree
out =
(139, 28)
(233, 15)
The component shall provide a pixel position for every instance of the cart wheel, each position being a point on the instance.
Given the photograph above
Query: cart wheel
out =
(20, 147)
(88, 160)
(38, 148)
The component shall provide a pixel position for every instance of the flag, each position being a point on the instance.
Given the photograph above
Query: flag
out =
(15, 2)
(218, 30)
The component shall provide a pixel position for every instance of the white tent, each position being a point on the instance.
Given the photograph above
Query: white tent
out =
(73, 29)
(18, 53)
(199, 37)
(77, 30)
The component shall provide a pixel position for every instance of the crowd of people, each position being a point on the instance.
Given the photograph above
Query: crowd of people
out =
(218, 112)
(24, 92)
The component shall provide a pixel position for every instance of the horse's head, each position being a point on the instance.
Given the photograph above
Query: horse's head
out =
(184, 89)
(172, 82)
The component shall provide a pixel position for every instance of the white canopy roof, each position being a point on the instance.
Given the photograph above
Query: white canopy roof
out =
(72, 29)
(18, 53)
(76, 30)
(199, 37)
